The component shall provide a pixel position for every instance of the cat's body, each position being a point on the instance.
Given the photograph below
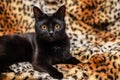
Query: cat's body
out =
(47, 46)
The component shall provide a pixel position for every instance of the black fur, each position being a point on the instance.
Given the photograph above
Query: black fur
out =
(42, 48)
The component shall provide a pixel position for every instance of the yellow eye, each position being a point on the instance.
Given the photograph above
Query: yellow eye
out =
(57, 26)
(44, 27)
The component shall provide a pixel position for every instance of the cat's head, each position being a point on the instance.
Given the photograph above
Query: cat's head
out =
(50, 27)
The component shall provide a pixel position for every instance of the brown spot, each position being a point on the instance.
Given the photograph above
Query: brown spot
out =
(110, 37)
(97, 50)
(115, 57)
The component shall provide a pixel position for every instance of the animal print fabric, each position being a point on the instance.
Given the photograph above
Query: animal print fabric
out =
(93, 27)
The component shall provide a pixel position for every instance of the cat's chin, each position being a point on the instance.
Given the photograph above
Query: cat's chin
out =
(51, 39)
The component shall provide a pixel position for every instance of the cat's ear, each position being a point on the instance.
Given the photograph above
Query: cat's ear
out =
(60, 12)
(38, 14)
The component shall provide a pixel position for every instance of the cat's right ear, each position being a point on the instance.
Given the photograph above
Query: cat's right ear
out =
(38, 14)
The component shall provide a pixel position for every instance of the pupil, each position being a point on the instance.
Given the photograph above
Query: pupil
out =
(57, 26)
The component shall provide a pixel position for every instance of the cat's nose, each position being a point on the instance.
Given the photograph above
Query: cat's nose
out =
(51, 33)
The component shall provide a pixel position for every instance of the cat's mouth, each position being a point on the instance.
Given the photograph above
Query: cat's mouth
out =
(51, 38)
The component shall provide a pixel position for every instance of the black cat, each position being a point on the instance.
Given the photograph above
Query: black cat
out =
(49, 44)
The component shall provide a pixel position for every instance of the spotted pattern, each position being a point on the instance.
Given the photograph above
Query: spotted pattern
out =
(93, 27)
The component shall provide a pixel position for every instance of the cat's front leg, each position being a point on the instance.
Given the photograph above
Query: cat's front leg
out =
(49, 69)
(73, 61)
(69, 59)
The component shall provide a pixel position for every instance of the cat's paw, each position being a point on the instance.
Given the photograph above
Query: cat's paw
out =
(56, 74)
(73, 61)
(5, 69)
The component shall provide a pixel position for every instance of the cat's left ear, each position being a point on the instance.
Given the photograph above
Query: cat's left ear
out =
(60, 12)
(38, 14)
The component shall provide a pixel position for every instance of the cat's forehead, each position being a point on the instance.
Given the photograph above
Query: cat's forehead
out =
(49, 19)
(49, 15)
